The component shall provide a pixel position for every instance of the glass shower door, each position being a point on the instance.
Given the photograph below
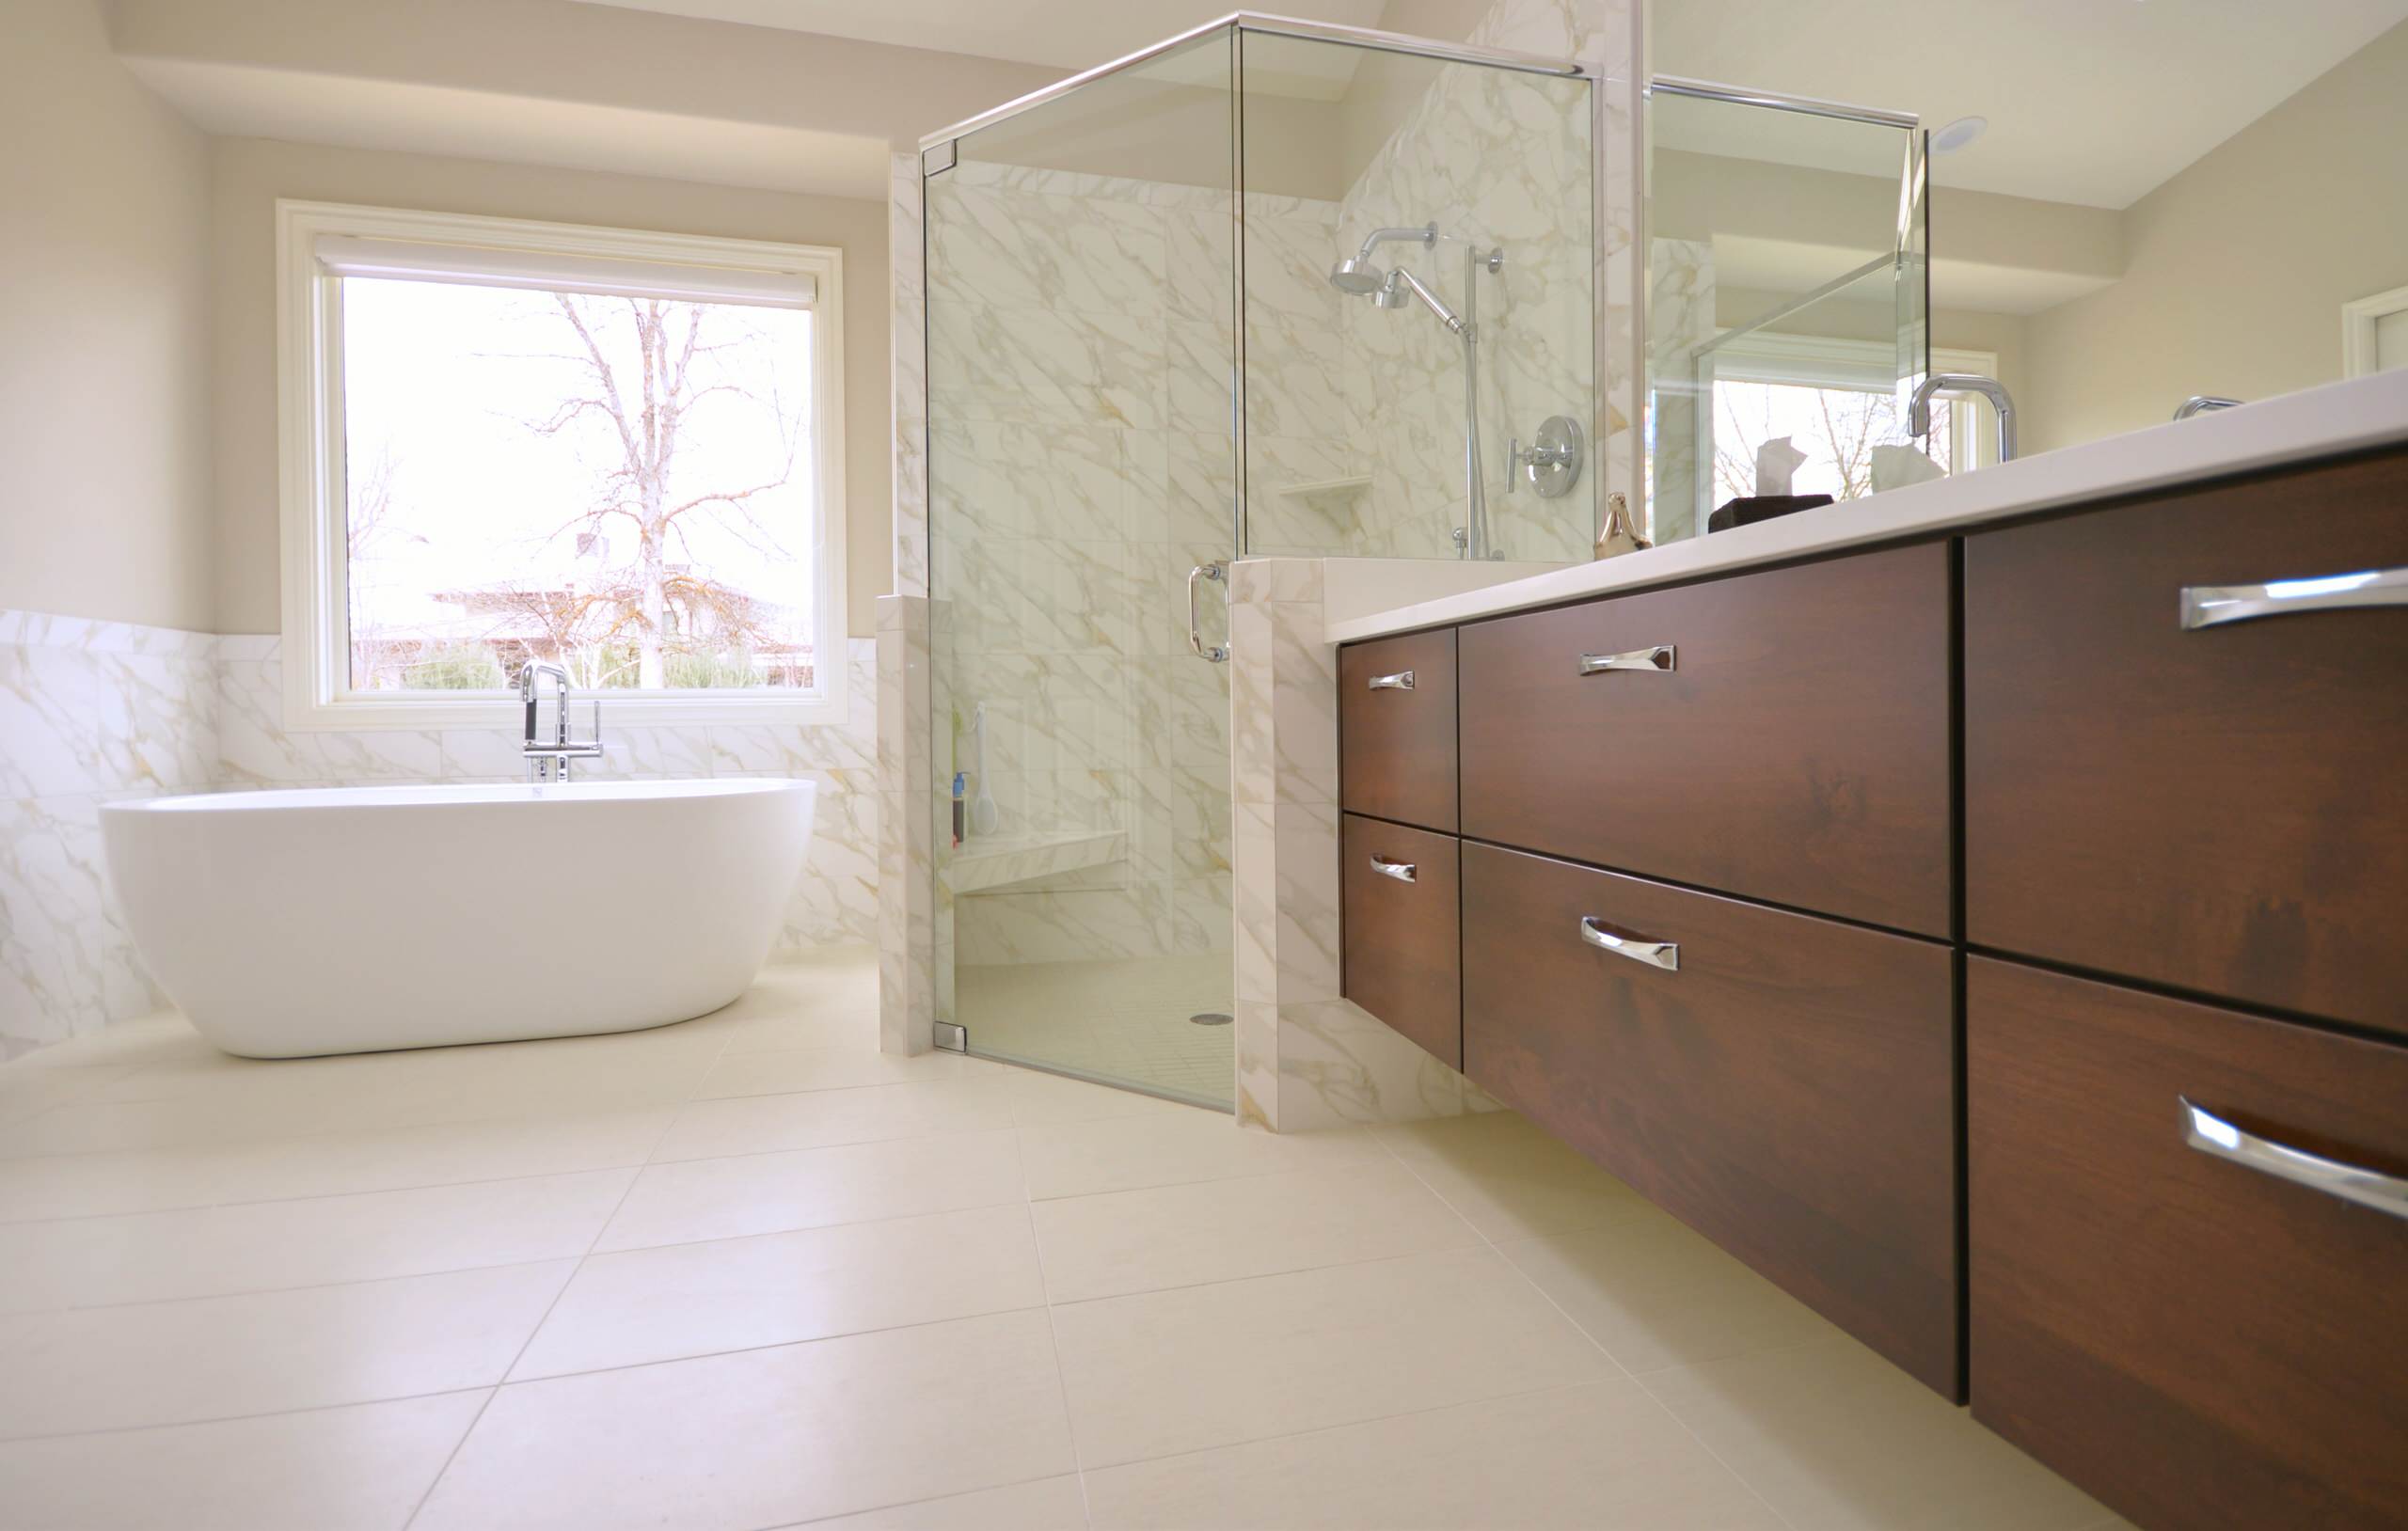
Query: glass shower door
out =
(1082, 280)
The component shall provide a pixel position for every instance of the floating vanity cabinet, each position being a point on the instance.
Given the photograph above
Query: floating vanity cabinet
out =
(2174, 774)
(1403, 945)
(1396, 724)
(1786, 1085)
(1782, 735)
(2182, 1297)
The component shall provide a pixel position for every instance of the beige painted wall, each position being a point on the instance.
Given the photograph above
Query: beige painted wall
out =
(2238, 267)
(103, 324)
(250, 174)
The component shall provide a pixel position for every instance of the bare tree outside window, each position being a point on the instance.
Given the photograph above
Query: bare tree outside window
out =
(620, 485)
(1836, 428)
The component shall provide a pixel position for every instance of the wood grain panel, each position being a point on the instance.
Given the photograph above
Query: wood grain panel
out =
(2197, 1344)
(1403, 944)
(1396, 748)
(2223, 810)
(1789, 1092)
(1798, 751)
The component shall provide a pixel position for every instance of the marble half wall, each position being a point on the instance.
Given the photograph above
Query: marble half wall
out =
(96, 712)
(1307, 1058)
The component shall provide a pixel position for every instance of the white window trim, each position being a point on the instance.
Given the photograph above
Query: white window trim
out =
(2358, 319)
(310, 467)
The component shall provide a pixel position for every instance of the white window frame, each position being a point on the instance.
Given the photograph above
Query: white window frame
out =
(1821, 361)
(316, 651)
(2358, 319)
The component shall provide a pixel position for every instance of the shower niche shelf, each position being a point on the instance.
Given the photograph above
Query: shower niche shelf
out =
(1355, 484)
(981, 866)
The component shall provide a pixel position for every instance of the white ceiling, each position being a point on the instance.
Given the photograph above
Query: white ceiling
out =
(1067, 33)
(2092, 101)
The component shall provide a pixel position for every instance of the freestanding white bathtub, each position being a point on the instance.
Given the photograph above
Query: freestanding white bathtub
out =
(357, 919)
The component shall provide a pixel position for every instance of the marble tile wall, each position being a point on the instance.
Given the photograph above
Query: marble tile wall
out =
(1501, 158)
(1306, 1057)
(1080, 465)
(92, 712)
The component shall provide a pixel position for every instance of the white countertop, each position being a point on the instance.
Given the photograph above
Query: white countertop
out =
(2318, 422)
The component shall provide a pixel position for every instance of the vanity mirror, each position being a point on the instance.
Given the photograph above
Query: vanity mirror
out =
(2114, 213)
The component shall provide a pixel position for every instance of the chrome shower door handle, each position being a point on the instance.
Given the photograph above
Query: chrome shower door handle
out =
(1213, 652)
(2210, 606)
(2213, 1135)
(1605, 937)
(1401, 681)
(1659, 658)
(1401, 871)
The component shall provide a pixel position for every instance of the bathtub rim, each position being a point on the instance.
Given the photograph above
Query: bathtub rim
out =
(402, 795)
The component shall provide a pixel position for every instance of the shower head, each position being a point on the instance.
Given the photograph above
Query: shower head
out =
(1402, 285)
(1356, 274)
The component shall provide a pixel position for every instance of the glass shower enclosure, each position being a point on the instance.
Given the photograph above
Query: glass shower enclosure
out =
(1268, 288)
(1788, 296)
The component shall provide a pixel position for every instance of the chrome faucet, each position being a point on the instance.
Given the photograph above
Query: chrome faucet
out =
(2200, 403)
(2001, 403)
(550, 762)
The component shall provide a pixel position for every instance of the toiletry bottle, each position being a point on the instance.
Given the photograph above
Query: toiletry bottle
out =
(960, 785)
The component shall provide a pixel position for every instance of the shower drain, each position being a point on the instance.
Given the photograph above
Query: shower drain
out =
(1211, 1018)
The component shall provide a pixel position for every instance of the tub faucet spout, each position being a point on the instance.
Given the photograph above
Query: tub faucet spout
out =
(2001, 404)
(549, 761)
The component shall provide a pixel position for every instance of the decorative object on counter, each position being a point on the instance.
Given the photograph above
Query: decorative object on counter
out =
(1750, 509)
(1896, 467)
(1777, 464)
(1618, 535)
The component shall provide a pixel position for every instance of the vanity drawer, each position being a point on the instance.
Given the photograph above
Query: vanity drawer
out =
(2221, 808)
(1788, 1089)
(2198, 1344)
(1402, 940)
(1396, 729)
(1782, 735)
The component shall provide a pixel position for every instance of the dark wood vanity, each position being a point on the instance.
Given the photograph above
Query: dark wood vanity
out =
(1954, 931)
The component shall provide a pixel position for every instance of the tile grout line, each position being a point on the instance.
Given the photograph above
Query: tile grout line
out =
(1626, 1374)
(1054, 1342)
(537, 1327)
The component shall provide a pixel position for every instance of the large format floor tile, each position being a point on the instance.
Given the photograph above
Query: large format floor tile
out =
(1123, 1153)
(1598, 1457)
(329, 1164)
(762, 1437)
(746, 1273)
(725, 1198)
(359, 1468)
(225, 1357)
(1657, 1294)
(1220, 1230)
(732, 1294)
(1201, 1367)
(262, 1246)
(1839, 1439)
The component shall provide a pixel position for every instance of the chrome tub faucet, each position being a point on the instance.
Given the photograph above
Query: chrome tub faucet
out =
(549, 761)
(2001, 403)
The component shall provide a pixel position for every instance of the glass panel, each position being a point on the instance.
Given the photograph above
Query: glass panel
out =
(1374, 425)
(1787, 299)
(1082, 267)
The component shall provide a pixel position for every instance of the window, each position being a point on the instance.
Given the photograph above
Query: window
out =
(510, 441)
(1836, 401)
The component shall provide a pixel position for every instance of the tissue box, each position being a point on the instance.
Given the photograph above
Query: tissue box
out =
(1750, 509)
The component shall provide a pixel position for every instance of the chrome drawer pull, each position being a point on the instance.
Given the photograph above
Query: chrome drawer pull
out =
(1401, 871)
(2212, 1134)
(1401, 681)
(1658, 658)
(1664, 954)
(2207, 606)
